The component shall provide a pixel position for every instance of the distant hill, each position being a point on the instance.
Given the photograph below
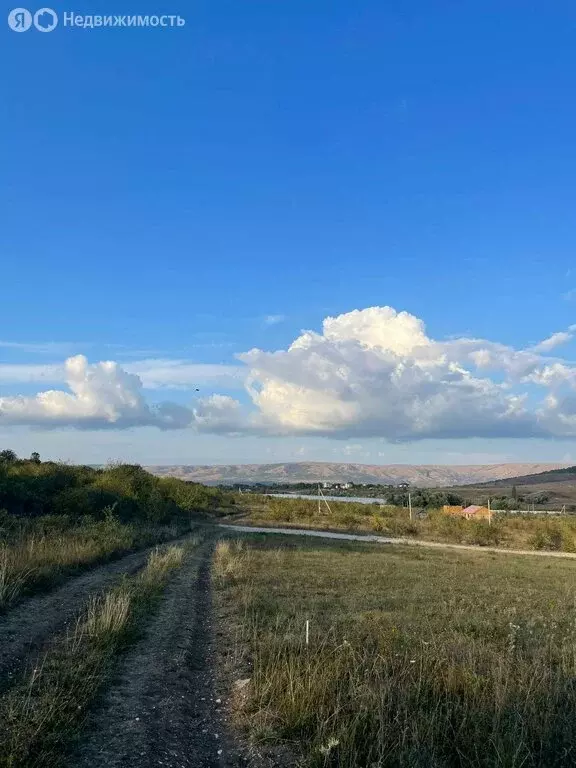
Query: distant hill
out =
(423, 476)
(551, 489)
(562, 475)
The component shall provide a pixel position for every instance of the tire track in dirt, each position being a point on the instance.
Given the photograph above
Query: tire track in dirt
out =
(162, 709)
(25, 629)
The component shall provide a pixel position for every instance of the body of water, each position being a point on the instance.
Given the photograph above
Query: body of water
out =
(314, 497)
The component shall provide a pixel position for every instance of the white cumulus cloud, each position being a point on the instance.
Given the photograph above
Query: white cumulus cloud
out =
(555, 340)
(376, 372)
(102, 394)
(369, 373)
(219, 413)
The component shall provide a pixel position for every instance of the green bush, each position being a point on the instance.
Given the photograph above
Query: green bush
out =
(378, 523)
(400, 527)
(448, 527)
(32, 489)
(548, 536)
(481, 533)
(193, 497)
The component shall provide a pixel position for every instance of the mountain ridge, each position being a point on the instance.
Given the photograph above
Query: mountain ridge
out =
(552, 476)
(421, 475)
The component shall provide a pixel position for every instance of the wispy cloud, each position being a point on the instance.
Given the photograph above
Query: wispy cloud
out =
(555, 340)
(23, 373)
(183, 374)
(43, 347)
(274, 319)
(154, 373)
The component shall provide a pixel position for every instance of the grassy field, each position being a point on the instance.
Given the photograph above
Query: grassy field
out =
(550, 532)
(415, 659)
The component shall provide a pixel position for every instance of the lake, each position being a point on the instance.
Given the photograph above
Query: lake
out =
(314, 497)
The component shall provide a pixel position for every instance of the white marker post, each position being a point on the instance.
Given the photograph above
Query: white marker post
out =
(307, 632)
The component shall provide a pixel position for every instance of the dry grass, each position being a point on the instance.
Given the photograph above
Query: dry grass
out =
(415, 659)
(105, 616)
(161, 562)
(549, 532)
(12, 579)
(230, 558)
(37, 562)
(40, 714)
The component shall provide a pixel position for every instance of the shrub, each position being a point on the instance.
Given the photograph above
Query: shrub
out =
(448, 527)
(37, 489)
(481, 533)
(548, 536)
(402, 527)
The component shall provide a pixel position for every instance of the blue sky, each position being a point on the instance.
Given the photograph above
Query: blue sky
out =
(172, 198)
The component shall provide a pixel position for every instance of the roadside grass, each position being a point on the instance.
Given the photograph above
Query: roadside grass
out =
(51, 549)
(228, 562)
(550, 532)
(42, 713)
(415, 659)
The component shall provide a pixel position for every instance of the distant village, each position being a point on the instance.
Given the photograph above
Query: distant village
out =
(348, 486)
(453, 502)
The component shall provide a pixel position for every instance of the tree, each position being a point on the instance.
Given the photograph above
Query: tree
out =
(7, 456)
(514, 492)
(35, 457)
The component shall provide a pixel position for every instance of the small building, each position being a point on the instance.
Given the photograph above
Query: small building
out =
(450, 509)
(473, 512)
(476, 512)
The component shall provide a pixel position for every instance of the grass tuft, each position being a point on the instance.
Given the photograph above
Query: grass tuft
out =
(229, 559)
(106, 616)
(161, 562)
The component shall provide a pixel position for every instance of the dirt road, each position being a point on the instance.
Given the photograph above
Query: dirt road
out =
(162, 710)
(25, 629)
(389, 540)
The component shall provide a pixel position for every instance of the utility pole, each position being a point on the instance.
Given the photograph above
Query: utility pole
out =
(410, 504)
(321, 496)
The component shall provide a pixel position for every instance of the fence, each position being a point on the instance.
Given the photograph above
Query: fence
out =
(529, 511)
